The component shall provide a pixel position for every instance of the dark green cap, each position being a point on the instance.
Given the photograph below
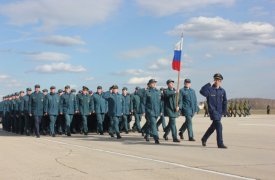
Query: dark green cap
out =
(37, 86)
(52, 87)
(169, 80)
(67, 87)
(60, 91)
(151, 81)
(99, 87)
(85, 88)
(187, 81)
(29, 89)
(115, 87)
(73, 90)
(124, 88)
(45, 90)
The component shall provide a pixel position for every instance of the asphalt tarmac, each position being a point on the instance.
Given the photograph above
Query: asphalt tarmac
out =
(250, 154)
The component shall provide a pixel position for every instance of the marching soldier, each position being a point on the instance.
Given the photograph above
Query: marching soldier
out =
(217, 102)
(52, 108)
(137, 109)
(68, 107)
(85, 108)
(189, 106)
(115, 103)
(27, 117)
(21, 113)
(153, 109)
(99, 108)
(45, 118)
(171, 109)
(161, 120)
(127, 109)
(36, 106)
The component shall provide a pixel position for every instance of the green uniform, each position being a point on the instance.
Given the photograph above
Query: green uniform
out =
(85, 108)
(100, 107)
(52, 108)
(170, 111)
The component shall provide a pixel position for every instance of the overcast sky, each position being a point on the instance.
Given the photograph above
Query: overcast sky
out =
(127, 42)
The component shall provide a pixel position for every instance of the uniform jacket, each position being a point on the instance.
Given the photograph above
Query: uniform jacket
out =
(152, 102)
(84, 104)
(188, 102)
(216, 100)
(36, 104)
(68, 104)
(52, 104)
(137, 104)
(115, 103)
(127, 106)
(170, 103)
(99, 104)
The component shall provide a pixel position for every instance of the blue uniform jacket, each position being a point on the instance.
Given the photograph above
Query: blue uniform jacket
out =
(188, 102)
(216, 100)
(84, 104)
(36, 104)
(52, 104)
(115, 103)
(127, 108)
(153, 102)
(100, 105)
(68, 104)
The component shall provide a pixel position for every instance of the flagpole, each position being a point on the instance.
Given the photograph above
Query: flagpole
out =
(178, 84)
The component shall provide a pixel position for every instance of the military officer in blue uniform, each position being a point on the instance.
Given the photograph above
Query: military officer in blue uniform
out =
(36, 106)
(171, 109)
(100, 107)
(68, 107)
(85, 108)
(127, 109)
(27, 117)
(217, 104)
(189, 107)
(137, 108)
(115, 110)
(52, 108)
(153, 109)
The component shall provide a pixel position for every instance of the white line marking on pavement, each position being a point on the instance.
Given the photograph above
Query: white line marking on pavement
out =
(153, 160)
(267, 125)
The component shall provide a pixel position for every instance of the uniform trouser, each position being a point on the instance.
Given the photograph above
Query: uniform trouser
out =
(216, 125)
(100, 119)
(84, 123)
(27, 122)
(37, 121)
(137, 121)
(187, 125)
(124, 119)
(52, 124)
(146, 125)
(21, 124)
(45, 124)
(60, 124)
(171, 126)
(68, 119)
(161, 121)
(114, 124)
(153, 127)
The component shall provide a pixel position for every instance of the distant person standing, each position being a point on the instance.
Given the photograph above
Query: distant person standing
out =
(217, 104)
(268, 109)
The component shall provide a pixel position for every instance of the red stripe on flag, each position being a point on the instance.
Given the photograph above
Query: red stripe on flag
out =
(176, 65)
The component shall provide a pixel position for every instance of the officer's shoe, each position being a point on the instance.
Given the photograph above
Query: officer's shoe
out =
(68, 134)
(203, 142)
(111, 134)
(165, 137)
(176, 140)
(101, 133)
(38, 136)
(28, 133)
(192, 139)
(157, 142)
(222, 146)
(126, 132)
(146, 138)
(53, 135)
(85, 133)
(118, 136)
(181, 135)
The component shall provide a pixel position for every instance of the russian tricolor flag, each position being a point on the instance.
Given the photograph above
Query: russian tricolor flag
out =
(177, 56)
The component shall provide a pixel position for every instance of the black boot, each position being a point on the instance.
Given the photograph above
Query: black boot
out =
(118, 136)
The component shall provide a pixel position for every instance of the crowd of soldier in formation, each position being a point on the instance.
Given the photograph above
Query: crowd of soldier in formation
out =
(67, 112)
(235, 108)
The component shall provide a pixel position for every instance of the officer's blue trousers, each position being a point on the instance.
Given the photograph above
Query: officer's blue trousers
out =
(68, 119)
(37, 121)
(153, 127)
(171, 126)
(100, 119)
(114, 123)
(137, 121)
(187, 125)
(52, 124)
(216, 125)
(162, 122)
(124, 119)
(85, 123)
